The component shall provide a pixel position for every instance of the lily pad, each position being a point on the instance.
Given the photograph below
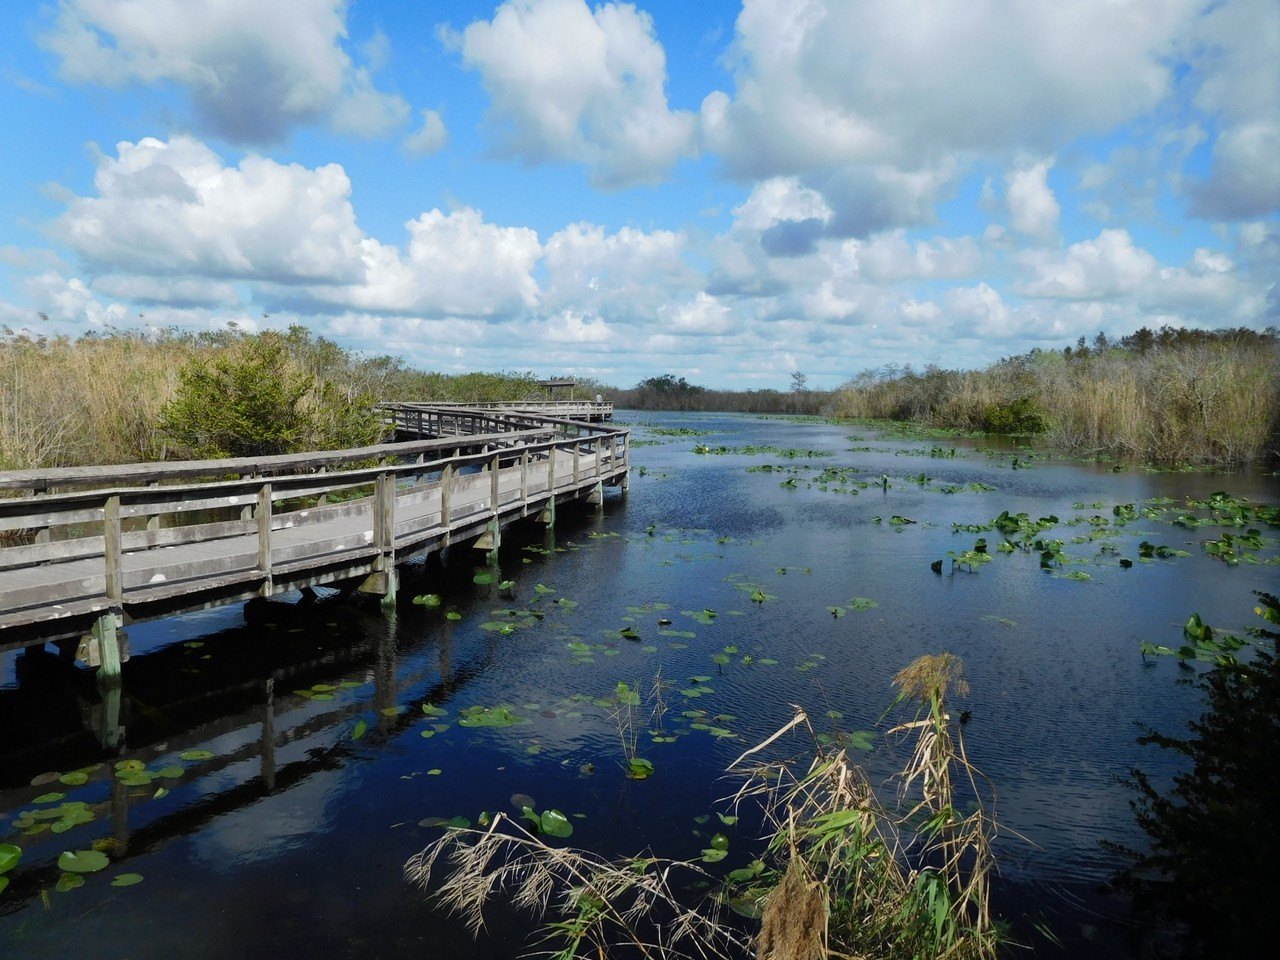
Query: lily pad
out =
(483, 579)
(553, 823)
(82, 861)
(361, 727)
(68, 882)
(76, 778)
(9, 857)
(429, 600)
(639, 768)
(127, 880)
(712, 855)
(195, 755)
(50, 798)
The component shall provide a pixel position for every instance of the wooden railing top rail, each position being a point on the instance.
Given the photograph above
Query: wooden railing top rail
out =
(282, 464)
(283, 484)
(512, 416)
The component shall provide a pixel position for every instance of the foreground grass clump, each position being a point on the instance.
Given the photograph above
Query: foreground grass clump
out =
(843, 871)
(1185, 396)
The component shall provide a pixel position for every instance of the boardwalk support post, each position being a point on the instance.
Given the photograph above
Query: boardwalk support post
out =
(105, 648)
(548, 514)
(597, 494)
(490, 541)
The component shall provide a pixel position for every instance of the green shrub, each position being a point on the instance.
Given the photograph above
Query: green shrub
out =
(254, 401)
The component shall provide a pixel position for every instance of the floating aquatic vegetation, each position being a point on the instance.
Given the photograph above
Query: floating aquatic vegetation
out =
(429, 600)
(499, 716)
(82, 861)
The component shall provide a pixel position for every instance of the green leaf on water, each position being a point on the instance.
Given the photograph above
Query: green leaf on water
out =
(712, 855)
(50, 798)
(9, 857)
(127, 880)
(507, 585)
(195, 755)
(68, 882)
(639, 768)
(4, 882)
(555, 824)
(483, 579)
(719, 842)
(836, 612)
(362, 725)
(82, 861)
(76, 778)
(453, 615)
(170, 773)
(431, 710)
(727, 819)
(429, 600)
(863, 603)
(721, 658)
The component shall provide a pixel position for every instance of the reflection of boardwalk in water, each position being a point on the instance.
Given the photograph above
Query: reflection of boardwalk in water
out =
(250, 704)
(89, 549)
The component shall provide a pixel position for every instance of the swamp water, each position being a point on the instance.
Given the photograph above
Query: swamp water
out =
(279, 772)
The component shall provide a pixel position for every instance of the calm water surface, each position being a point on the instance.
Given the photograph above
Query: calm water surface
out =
(285, 832)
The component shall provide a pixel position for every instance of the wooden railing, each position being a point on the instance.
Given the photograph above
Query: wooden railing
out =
(79, 542)
(586, 410)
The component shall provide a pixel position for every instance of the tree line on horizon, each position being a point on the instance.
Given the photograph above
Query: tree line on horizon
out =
(1169, 395)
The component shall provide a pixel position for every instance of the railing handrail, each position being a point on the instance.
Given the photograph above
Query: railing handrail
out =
(41, 479)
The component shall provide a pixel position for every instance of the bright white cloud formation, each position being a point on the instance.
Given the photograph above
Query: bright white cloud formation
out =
(172, 208)
(821, 83)
(254, 69)
(1033, 209)
(571, 83)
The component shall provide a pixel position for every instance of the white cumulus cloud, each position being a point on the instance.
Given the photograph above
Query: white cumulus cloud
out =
(571, 83)
(253, 69)
(1033, 209)
(173, 208)
(820, 83)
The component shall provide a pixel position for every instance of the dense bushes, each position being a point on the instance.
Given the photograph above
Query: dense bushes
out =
(254, 400)
(1176, 395)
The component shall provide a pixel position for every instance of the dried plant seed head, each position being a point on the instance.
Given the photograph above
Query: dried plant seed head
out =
(930, 676)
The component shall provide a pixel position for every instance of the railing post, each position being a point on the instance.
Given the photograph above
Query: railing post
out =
(111, 549)
(551, 470)
(264, 538)
(524, 480)
(598, 449)
(153, 519)
(493, 481)
(104, 628)
(384, 533)
(446, 480)
(575, 463)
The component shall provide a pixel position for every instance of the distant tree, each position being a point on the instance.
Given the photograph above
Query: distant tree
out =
(799, 382)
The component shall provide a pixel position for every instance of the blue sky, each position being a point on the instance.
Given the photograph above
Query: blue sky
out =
(728, 192)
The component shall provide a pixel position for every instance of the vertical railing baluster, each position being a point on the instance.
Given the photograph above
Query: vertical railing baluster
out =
(264, 513)
(111, 549)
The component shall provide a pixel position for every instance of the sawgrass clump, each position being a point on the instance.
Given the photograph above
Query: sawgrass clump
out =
(844, 871)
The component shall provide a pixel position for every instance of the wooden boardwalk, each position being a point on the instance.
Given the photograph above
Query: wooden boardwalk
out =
(588, 411)
(84, 550)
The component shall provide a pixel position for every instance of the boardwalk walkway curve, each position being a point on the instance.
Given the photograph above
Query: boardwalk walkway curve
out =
(85, 550)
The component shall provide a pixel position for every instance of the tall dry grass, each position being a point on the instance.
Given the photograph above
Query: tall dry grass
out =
(100, 399)
(1205, 400)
